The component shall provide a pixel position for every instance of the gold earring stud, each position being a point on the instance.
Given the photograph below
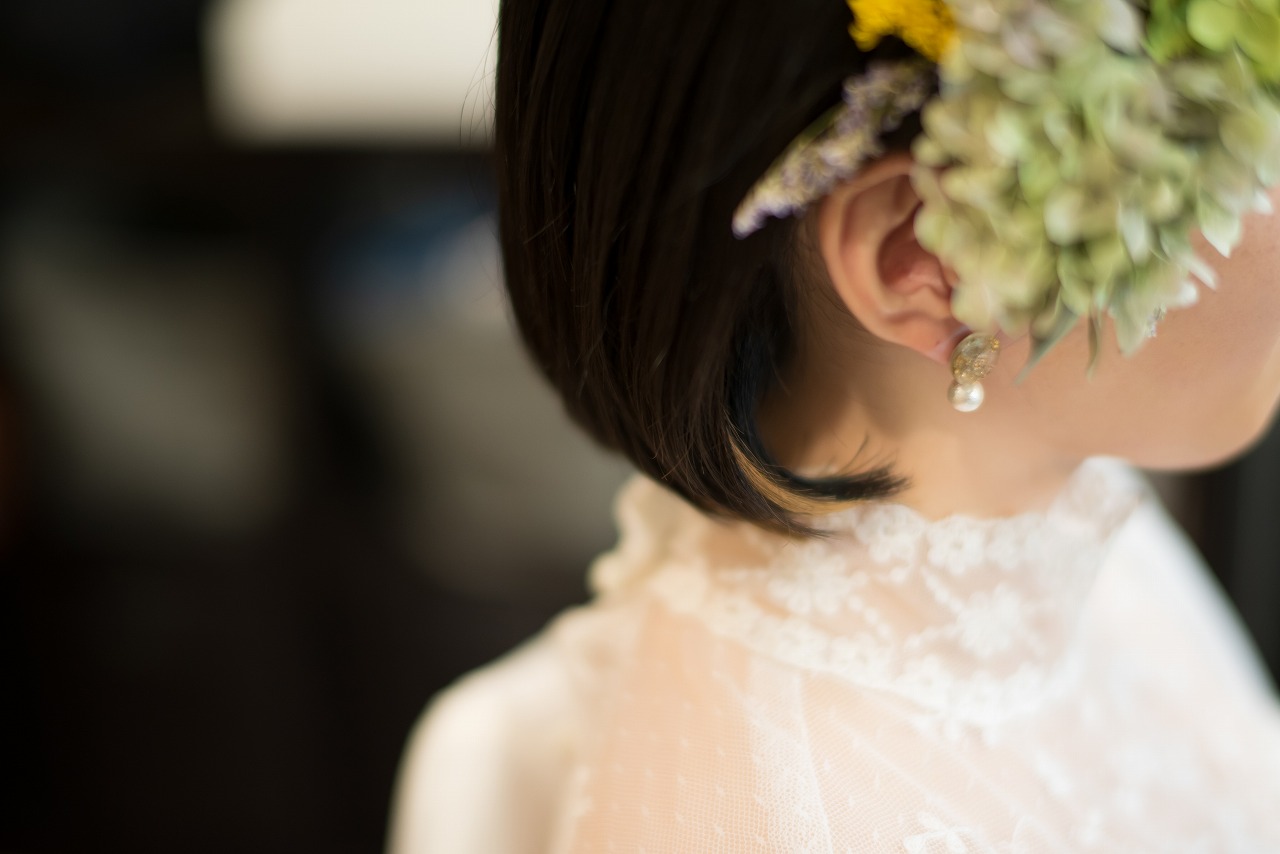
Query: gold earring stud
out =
(971, 361)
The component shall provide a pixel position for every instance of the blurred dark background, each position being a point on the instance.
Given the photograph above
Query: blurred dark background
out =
(272, 468)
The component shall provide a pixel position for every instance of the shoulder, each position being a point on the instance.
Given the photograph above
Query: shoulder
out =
(496, 743)
(1156, 585)
(504, 739)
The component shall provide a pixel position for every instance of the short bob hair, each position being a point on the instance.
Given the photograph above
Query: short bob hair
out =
(626, 133)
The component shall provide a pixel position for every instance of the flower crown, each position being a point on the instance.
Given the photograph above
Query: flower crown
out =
(1070, 150)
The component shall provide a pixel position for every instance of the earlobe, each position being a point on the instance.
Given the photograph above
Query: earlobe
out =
(895, 288)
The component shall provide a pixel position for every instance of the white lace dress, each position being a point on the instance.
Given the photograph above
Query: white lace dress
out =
(1069, 681)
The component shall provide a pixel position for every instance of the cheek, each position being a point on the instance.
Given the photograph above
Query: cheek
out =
(1202, 391)
(1240, 320)
(1207, 391)
(1228, 346)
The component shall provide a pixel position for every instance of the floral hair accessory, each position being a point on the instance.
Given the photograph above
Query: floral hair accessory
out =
(834, 147)
(925, 25)
(1075, 144)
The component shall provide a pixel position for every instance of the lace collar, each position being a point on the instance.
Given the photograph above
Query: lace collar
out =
(973, 618)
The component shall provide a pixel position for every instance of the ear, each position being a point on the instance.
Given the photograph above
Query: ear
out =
(896, 289)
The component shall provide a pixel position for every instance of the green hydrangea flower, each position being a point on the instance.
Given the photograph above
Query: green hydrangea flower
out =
(1080, 142)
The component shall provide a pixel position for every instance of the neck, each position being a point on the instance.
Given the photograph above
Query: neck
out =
(886, 405)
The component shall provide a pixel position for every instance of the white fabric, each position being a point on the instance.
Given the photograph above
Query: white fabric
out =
(1067, 681)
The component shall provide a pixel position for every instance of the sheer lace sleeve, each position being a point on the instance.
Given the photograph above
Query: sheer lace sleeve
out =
(713, 749)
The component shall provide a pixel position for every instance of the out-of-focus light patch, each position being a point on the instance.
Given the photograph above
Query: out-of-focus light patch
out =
(162, 397)
(353, 71)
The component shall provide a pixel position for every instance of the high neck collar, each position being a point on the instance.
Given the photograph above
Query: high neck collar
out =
(1094, 501)
(972, 617)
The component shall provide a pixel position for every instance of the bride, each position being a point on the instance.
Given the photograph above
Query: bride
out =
(880, 297)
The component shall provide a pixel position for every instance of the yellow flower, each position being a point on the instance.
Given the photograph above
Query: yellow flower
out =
(925, 25)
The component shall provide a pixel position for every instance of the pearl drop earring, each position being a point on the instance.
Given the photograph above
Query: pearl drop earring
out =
(971, 361)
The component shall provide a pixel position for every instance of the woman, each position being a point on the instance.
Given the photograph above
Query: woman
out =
(873, 593)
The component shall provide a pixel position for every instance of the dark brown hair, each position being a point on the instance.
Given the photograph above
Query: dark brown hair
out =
(627, 131)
